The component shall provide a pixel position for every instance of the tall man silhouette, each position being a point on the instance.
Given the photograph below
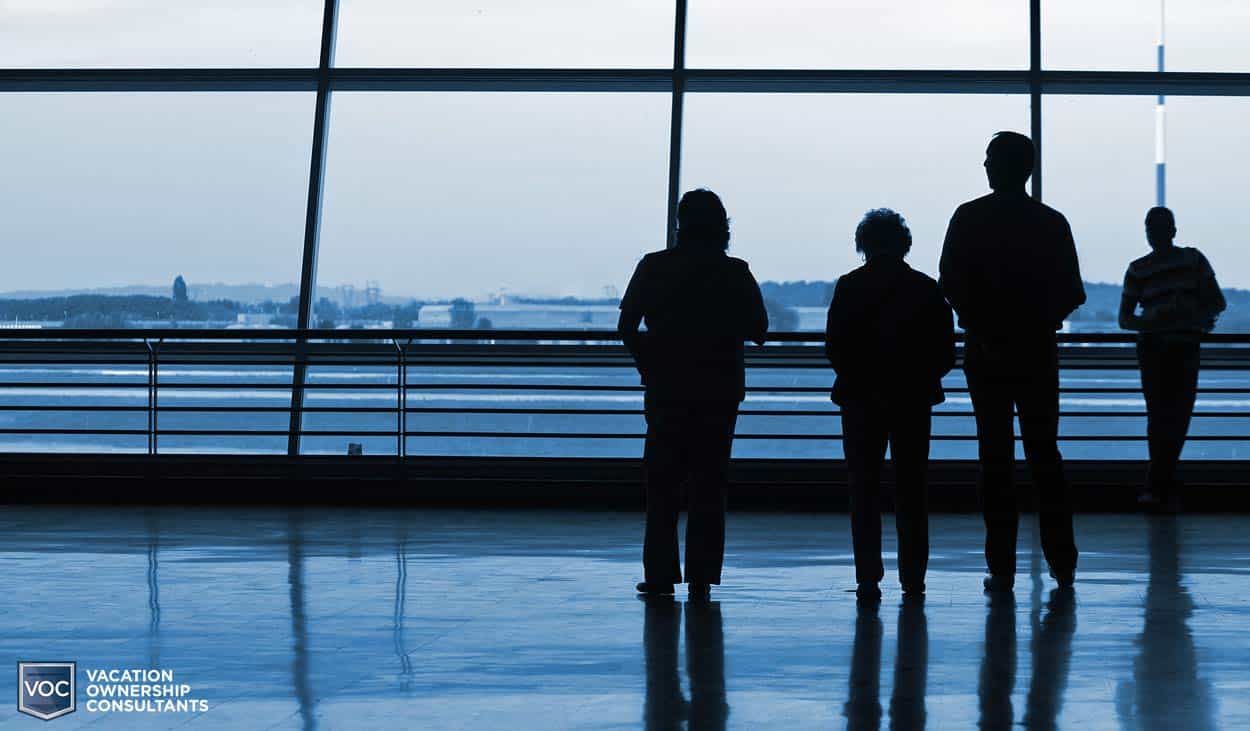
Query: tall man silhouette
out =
(1009, 268)
(699, 306)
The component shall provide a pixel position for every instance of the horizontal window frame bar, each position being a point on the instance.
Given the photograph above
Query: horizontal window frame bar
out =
(660, 81)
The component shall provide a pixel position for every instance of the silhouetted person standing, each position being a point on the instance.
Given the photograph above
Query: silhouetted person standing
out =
(699, 306)
(1009, 268)
(1180, 300)
(890, 338)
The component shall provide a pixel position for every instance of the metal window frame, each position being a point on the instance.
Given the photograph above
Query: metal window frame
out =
(1035, 81)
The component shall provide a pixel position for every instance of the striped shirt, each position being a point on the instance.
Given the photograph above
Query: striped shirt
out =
(1177, 291)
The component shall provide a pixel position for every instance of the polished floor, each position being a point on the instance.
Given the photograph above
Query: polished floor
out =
(340, 619)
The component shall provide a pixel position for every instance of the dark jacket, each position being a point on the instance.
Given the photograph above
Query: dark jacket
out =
(699, 306)
(1009, 268)
(890, 335)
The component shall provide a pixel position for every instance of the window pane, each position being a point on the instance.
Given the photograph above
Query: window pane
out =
(506, 33)
(1122, 35)
(119, 194)
(159, 34)
(797, 172)
(489, 199)
(1100, 172)
(888, 34)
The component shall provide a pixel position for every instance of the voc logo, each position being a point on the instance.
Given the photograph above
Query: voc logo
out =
(46, 689)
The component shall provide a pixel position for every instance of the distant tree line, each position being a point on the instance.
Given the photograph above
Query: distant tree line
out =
(98, 311)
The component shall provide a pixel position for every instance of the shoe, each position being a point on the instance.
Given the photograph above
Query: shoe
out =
(700, 590)
(913, 590)
(652, 588)
(868, 593)
(998, 582)
(1065, 578)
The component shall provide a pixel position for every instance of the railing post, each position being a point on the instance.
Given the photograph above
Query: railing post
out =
(153, 366)
(401, 397)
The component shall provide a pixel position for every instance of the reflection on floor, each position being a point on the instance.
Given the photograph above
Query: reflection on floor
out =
(438, 619)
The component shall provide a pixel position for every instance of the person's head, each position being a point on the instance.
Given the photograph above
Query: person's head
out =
(702, 222)
(882, 233)
(1009, 160)
(1160, 227)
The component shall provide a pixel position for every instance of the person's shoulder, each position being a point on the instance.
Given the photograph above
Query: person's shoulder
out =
(922, 279)
(1137, 266)
(853, 277)
(1046, 211)
(975, 205)
(1193, 253)
(658, 259)
(924, 285)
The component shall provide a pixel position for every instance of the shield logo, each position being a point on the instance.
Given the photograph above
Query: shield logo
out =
(46, 689)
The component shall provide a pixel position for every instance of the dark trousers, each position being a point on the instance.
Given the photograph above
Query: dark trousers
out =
(1169, 381)
(688, 445)
(866, 430)
(1025, 378)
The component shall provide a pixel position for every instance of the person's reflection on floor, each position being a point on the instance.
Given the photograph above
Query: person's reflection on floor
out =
(1051, 649)
(299, 621)
(664, 708)
(997, 680)
(705, 664)
(911, 667)
(863, 701)
(1165, 691)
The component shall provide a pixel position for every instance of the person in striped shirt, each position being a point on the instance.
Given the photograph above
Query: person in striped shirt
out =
(1179, 298)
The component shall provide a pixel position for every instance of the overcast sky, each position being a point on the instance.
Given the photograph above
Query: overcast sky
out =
(439, 195)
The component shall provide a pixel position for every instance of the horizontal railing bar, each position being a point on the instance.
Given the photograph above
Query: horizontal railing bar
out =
(417, 334)
(559, 387)
(790, 437)
(557, 435)
(451, 410)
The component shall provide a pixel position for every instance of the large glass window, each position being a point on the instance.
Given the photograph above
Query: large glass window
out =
(159, 33)
(1123, 35)
(506, 33)
(190, 203)
(1100, 171)
(465, 202)
(796, 172)
(865, 34)
(482, 209)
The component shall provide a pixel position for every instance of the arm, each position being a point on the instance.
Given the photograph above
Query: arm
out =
(954, 269)
(1070, 292)
(627, 327)
(631, 317)
(1210, 298)
(756, 314)
(835, 328)
(1129, 320)
(944, 335)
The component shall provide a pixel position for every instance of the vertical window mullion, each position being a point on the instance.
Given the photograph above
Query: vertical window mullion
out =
(675, 117)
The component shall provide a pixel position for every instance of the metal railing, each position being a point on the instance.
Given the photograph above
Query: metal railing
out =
(231, 390)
